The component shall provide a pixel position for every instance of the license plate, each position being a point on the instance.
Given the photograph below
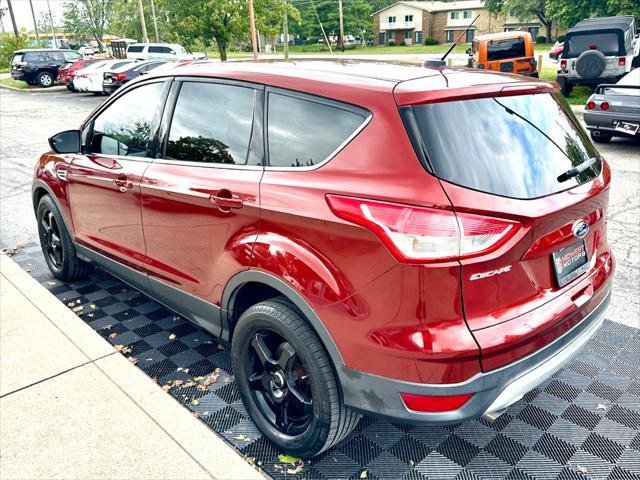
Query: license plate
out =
(569, 263)
(627, 127)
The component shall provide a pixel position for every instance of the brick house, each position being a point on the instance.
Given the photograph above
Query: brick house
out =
(412, 22)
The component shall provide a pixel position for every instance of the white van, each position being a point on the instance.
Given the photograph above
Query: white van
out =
(160, 51)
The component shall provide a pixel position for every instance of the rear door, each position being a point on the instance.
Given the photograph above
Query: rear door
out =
(501, 158)
(104, 182)
(201, 198)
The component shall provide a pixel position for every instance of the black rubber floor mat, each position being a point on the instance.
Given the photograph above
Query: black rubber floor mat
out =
(582, 423)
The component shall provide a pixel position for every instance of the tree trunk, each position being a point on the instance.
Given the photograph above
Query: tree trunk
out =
(548, 26)
(222, 48)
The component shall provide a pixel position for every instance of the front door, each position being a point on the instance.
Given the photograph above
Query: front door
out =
(104, 182)
(200, 201)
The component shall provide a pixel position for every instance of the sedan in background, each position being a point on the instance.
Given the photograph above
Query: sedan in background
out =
(614, 109)
(114, 79)
(66, 74)
(90, 79)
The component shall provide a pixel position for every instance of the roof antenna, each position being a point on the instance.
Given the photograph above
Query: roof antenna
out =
(442, 62)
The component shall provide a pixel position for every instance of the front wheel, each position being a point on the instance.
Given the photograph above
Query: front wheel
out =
(287, 382)
(56, 243)
(45, 79)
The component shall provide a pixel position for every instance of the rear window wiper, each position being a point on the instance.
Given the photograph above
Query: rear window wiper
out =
(577, 170)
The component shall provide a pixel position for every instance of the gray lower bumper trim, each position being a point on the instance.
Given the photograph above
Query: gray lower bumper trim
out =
(493, 391)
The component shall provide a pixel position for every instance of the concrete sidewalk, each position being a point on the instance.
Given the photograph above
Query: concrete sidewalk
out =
(71, 407)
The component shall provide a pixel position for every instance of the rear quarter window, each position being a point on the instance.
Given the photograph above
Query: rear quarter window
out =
(135, 48)
(304, 132)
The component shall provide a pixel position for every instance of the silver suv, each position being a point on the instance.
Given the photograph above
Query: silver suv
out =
(598, 50)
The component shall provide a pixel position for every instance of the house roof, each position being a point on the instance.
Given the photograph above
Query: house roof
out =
(437, 6)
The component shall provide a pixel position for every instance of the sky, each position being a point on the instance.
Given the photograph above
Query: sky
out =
(22, 12)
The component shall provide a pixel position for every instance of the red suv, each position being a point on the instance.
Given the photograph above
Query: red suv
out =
(422, 244)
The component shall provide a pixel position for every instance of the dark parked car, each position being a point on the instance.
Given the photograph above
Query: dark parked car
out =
(423, 244)
(598, 50)
(614, 109)
(115, 79)
(40, 66)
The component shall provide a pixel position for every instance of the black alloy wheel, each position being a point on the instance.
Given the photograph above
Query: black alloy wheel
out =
(50, 239)
(279, 382)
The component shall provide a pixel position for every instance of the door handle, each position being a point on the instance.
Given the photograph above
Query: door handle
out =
(227, 203)
(122, 183)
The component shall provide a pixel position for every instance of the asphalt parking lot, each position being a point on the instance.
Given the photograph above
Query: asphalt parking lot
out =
(27, 119)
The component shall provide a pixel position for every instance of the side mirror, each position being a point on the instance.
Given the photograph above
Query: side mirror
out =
(68, 141)
(468, 51)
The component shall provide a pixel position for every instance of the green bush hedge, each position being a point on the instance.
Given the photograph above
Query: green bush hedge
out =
(430, 41)
(561, 38)
(541, 39)
(8, 45)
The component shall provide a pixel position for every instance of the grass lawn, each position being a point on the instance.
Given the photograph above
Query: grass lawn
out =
(13, 83)
(579, 95)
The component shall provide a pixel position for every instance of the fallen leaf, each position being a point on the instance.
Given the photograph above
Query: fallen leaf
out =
(172, 336)
(213, 378)
(195, 414)
(133, 360)
(118, 347)
(208, 342)
(154, 379)
(363, 474)
(106, 327)
(189, 384)
(77, 309)
(195, 402)
(202, 388)
(148, 359)
(601, 406)
(582, 469)
(180, 369)
(220, 346)
(51, 283)
(250, 460)
(288, 459)
(243, 438)
(90, 314)
(113, 335)
(199, 378)
(92, 305)
(71, 304)
(297, 469)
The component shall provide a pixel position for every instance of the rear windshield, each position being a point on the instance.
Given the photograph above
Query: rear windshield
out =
(607, 43)
(502, 49)
(17, 58)
(135, 48)
(510, 146)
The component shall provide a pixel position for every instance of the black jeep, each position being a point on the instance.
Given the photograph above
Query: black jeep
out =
(40, 65)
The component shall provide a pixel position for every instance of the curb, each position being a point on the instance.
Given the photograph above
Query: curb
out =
(56, 89)
(204, 446)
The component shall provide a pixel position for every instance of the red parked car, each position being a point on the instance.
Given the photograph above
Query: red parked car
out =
(556, 50)
(66, 74)
(422, 244)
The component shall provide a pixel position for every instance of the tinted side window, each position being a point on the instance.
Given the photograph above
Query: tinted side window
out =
(160, 50)
(211, 123)
(71, 56)
(503, 49)
(57, 57)
(33, 57)
(303, 133)
(127, 126)
(135, 48)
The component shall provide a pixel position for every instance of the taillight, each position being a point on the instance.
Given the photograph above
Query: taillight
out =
(422, 235)
(622, 61)
(604, 106)
(563, 64)
(591, 105)
(434, 403)
(119, 76)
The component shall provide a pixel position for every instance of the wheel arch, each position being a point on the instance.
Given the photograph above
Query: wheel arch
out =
(259, 286)
(38, 190)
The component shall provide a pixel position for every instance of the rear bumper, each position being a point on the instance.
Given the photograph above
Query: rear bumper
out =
(492, 391)
(598, 120)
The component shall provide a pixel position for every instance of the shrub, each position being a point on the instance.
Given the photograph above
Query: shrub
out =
(561, 38)
(392, 43)
(541, 39)
(8, 45)
(430, 41)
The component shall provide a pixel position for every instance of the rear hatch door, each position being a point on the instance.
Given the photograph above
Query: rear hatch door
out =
(501, 157)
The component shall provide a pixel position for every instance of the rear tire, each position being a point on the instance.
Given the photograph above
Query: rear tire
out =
(56, 243)
(601, 137)
(303, 428)
(566, 88)
(71, 88)
(45, 79)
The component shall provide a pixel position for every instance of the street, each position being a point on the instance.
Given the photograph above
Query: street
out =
(28, 119)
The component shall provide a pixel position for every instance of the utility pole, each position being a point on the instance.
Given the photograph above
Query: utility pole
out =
(155, 20)
(13, 20)
(341, 25)
(143, 23)
(53, 30)
(35, 23)
(252, 27)
(286, 30)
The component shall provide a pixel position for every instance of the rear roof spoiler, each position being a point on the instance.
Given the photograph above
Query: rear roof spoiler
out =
(604, 86)
(410, 93)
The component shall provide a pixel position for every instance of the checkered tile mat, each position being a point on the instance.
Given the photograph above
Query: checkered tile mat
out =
(582, 423)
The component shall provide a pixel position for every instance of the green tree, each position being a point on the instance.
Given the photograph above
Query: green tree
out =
(525, 9)
(9, 44)
(569, 12)
(88, 17)
(357, 17)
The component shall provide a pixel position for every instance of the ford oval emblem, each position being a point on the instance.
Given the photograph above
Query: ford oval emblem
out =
(580, 229)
